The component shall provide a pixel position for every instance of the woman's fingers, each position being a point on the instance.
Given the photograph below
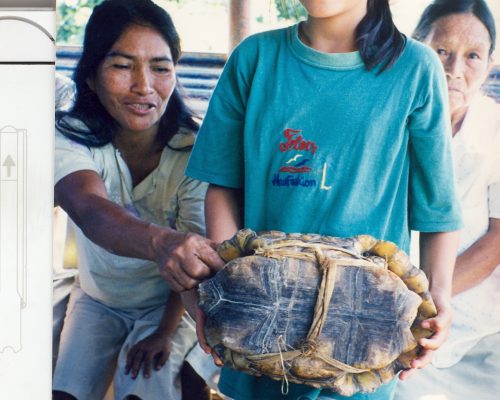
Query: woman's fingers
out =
(180, 272)
(435, 341)
(405, 374)
(424, 358)
(190, 261)
(147, 361)
(134, 360)
(161, 359)
(200, 332)
(175, 284)
(440, 325)
(208, 255)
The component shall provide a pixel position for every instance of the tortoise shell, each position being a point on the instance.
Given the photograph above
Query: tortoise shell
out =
(336, 313)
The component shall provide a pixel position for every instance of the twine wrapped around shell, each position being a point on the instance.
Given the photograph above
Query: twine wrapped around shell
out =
(334, 313)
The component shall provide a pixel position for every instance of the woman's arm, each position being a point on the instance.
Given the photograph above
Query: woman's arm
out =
(476, 263)
(438, 252)
(184, 259)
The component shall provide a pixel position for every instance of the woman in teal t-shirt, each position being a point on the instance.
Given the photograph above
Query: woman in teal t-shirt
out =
(337, 126)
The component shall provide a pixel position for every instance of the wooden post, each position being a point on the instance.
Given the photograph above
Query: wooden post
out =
(239, 21)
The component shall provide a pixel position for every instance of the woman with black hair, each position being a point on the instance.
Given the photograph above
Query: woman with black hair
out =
(338, 126)
(120, 157)
(462, 32)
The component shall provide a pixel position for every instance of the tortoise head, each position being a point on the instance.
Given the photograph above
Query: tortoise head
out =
(242, 244)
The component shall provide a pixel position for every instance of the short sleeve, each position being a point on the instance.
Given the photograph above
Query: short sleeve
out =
(70, 157)
(433, 202)
(191, 211)
(217, 156)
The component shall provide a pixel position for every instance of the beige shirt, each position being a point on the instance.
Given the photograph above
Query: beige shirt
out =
(165, 197)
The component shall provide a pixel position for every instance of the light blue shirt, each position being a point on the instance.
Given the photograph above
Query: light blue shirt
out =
(322, 145)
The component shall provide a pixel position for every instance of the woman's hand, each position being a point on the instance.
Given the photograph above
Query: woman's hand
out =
(440, 325)
(190, 302)
(185, 259)
(151, 352)
(202, 340)
(438, 252)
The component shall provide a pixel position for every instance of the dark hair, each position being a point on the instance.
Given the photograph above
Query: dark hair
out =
(442, 8)
(106, 24)
(379, 41)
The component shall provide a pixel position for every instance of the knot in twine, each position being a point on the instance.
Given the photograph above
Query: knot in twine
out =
(309, 348)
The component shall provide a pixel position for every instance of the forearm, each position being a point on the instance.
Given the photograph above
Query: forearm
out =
(172, 315)
(184, 259)
(478, 261)
(438, 252)
(223, 212)
(120, 232)
(437, 257)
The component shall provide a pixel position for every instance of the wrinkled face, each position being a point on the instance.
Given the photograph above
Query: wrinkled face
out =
(462, 43)
(135, 80)
(332, 8)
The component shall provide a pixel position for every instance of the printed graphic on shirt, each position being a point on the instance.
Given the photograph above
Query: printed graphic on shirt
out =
(297, 169)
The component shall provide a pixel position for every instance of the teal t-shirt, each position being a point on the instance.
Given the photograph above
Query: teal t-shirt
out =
(321, 145)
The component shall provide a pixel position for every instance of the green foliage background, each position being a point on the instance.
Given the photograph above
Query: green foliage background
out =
(290, 9)
(73, 15)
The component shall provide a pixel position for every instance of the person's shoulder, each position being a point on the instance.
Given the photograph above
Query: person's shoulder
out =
(65, 128)
(72, 134)
(417, 55)
(420, 54)
(183, 139)
(263, 40)
(420, 64)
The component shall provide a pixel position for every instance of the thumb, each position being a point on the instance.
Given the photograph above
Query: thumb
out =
(200, 331)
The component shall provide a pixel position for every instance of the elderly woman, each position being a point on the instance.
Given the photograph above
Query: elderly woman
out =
(467, 366)
(120, 157)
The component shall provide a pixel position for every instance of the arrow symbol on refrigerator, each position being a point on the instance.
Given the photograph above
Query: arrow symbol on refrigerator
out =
(9, 163)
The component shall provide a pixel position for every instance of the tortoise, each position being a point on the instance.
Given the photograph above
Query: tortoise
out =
(333, 313)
